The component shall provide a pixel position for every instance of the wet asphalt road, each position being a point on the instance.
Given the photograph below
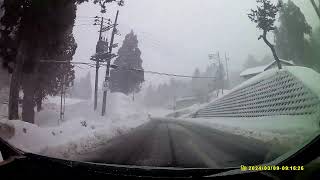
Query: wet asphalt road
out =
(165, 143)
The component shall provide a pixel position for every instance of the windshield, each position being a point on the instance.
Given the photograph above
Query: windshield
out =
(184, 83)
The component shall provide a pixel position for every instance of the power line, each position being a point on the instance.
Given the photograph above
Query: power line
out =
(83, 25)
(66, 62)
(166, 74)
(78, 20)
(85, 17)
(130, 69)
(78, 66)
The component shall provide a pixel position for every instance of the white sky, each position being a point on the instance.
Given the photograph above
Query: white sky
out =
(176, 36)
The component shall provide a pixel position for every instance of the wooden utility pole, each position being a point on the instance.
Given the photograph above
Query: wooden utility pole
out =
(218, 74)
(107, 76)
(62, 101)
(227, 71)
(97, 67)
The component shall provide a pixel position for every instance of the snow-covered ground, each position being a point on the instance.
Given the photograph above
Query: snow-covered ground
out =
(83, 129)
(288, 131)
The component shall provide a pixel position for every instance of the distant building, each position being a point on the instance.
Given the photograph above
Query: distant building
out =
(251, 72)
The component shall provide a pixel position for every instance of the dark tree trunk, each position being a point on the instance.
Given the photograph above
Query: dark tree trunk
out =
(30, 78)
(13, 110)
(274, 53)
(39, 105)
(28, 103)
(15, 83)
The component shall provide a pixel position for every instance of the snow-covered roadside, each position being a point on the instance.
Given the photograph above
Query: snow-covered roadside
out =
(289, 131)
(286, 130)
(82, 131)
(185, 112)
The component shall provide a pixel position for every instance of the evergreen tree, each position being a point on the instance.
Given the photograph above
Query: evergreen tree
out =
(22, 21)
(33, 30)
(129, 57)
(312, 54)
(290, 36)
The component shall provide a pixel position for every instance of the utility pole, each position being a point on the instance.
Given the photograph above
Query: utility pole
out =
(97, 66)
(227, 71)
(107, 76)
(218, 74)
(62, 101)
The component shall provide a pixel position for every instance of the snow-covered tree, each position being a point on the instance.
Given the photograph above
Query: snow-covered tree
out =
(126, 78)
(290, 35)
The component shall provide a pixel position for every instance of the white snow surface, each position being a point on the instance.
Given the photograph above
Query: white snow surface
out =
(289, 130)
(83, 129)
(254, 70)
(286, 130)
(260, 69)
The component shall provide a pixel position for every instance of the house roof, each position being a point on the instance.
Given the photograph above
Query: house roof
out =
(260, 69)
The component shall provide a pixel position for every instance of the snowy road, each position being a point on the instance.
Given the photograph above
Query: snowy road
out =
(163, 143)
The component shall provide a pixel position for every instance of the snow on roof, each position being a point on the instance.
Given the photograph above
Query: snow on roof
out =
(253, 71)
(260, 69)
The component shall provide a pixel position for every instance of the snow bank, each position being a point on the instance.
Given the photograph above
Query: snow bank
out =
(82, 131)
(185, 112)
(289, 131)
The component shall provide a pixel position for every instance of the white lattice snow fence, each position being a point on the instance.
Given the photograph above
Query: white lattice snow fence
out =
(291, 91)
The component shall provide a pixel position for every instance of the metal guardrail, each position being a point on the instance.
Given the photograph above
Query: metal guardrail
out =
(280, 94)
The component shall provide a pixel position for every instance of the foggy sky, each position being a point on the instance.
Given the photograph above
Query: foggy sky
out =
(176, 36)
